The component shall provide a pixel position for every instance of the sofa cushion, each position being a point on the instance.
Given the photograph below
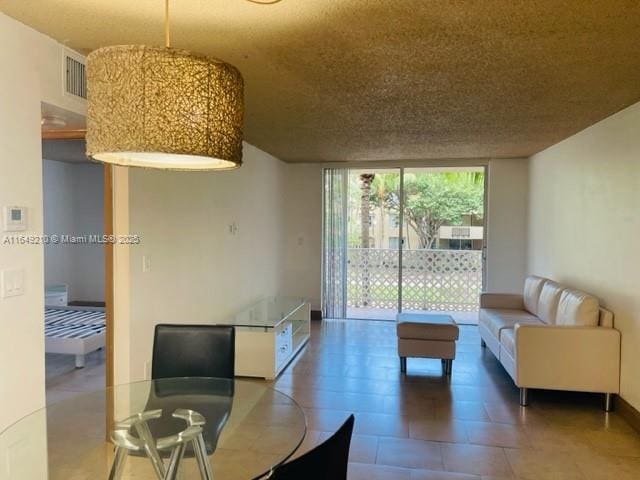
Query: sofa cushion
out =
(578, 308)
(548, 303)
(495, 319)
(532, 289)
(508, 340)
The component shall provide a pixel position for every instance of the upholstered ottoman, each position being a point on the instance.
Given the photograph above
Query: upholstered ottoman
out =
(427, 335)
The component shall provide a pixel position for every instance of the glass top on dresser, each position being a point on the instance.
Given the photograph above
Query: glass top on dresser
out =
(268, 312)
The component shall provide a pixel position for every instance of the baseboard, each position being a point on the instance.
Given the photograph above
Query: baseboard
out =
(85, 303)
(316, 314)
(628, 412)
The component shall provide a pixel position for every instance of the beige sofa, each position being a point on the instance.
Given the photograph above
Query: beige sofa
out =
(552, 337)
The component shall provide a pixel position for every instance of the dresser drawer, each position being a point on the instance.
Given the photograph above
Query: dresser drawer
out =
(284, 343)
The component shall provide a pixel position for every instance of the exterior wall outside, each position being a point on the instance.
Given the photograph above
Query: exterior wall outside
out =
(583, 209)
(26, 81)
(73, 205)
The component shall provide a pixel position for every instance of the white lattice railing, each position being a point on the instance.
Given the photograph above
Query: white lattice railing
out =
(444, 280)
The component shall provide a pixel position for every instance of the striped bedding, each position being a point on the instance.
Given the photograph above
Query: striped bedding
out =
(78, 323)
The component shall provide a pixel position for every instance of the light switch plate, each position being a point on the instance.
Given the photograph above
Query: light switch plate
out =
(12, 283)
(146, 263)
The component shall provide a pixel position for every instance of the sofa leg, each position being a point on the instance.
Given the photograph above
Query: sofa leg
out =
(483, 344)
(403, 364)
(608, 402)
(524, 397)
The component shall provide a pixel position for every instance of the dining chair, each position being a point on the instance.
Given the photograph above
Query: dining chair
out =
(327, 461)
(193, 351)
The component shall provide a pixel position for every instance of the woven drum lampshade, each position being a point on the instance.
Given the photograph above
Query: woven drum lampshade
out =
(165, 108)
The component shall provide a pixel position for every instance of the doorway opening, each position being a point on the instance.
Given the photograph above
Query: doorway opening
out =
(408, 240)
(77, 212)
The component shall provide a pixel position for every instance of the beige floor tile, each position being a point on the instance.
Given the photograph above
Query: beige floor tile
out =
(380, 424)
(497, 434)
(475, 459)
(599, 467)
(543, 465)
(364, 449)
(614, 443)
(435, 475)
(557, 438)
(311, 440)
(438, 430)
(462, 411)
(409, 453)
(358, 471)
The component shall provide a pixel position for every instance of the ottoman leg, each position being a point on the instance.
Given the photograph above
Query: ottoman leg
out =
(448, 367)
(403, 364)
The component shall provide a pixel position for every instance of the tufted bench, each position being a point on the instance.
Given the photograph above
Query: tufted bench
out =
(426, 335)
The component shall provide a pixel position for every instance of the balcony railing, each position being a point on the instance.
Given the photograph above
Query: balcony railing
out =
(437, 280)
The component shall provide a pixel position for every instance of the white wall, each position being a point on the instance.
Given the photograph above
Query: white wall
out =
(303, 232)
(200, 272)
(584, 224)
(31, 73)
(507, 225)
(73, 205)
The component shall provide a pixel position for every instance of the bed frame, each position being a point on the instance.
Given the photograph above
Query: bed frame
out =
(74, 331)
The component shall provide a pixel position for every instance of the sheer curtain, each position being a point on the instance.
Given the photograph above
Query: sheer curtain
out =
(334, 243)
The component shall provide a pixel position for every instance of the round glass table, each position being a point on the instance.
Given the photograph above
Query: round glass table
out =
(186, 428)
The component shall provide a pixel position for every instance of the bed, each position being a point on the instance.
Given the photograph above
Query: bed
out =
(74, 331)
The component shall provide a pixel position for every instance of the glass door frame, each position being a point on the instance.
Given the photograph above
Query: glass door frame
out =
(401, 226)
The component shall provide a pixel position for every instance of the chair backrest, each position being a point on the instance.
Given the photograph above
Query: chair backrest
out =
(193, 351)
(327, 461)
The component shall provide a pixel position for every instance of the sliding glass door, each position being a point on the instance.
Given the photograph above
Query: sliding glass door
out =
(403, 239)
(442, 264)
(373, 253)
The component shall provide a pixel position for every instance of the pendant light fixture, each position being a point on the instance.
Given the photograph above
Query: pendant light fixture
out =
(160, 107)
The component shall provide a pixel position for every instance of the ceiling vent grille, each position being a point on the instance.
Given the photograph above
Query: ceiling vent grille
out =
(75, 79)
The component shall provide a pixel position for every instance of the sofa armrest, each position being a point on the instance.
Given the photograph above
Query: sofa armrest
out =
(512, 301)
(568, 358)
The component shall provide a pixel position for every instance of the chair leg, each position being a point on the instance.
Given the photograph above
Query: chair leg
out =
(403, 364)
(118, 462)
(608, 402)
(524, 397)
(200, 450)
(174, 462)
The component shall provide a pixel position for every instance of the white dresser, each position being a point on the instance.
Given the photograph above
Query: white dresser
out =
(269, 334)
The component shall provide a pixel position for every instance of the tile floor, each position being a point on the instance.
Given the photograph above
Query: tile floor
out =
(422, 426)
(64, 380)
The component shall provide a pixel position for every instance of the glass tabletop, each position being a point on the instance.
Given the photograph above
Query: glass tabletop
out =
(246, 428)
(268, 312)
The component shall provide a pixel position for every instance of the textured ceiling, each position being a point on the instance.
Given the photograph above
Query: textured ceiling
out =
(334, 80)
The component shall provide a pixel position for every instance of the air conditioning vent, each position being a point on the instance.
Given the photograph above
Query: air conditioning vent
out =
(75, 79)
